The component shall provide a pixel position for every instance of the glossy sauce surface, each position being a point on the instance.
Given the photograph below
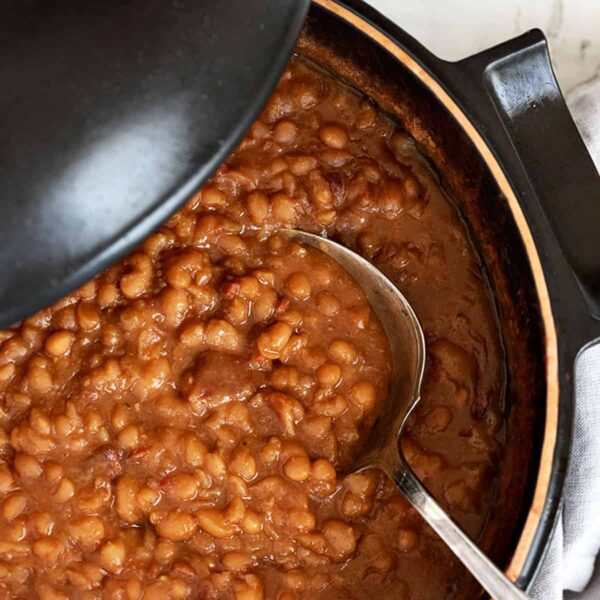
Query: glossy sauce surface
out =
(177, 428)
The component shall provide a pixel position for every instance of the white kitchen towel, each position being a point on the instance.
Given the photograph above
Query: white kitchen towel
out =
(569, 562)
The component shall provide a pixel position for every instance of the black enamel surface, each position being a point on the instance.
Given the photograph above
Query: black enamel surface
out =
(111, 114)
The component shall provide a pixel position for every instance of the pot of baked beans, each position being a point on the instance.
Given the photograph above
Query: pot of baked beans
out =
(180, 424)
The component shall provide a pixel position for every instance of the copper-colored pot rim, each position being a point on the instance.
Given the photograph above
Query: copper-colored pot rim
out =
(551, 349)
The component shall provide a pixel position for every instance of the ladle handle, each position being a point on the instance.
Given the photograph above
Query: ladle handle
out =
(495, 583)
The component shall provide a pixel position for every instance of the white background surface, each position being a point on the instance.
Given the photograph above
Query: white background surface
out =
(454, 29)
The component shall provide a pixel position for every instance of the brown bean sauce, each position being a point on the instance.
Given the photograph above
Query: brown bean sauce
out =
(177, 427)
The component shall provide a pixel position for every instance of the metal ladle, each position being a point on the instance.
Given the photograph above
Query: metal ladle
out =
(383, 449)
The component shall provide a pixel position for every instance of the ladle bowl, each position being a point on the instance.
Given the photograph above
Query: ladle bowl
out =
(383, 449)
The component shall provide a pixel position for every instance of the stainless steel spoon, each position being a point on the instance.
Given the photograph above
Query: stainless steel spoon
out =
(383, 450)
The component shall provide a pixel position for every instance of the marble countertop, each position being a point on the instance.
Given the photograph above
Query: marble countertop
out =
(454, 29)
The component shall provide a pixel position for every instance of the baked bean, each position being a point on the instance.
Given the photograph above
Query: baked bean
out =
(208, 228)
(301, 520)
(252, 523)
(292, 317)
(40, 379)
(327, 303)
(331, 407)
(164, 552)
(263, 307)
(283, 209)
(59, 342)
(271, 342)
(317, 427)
(14, 349)
(325, 217)
(259, 130)
(213, 522)
(93, 499)
(13, 506)
(147, 498)
(215, 465)
(366, 116)
(129, 437)
(192, 334)
(333, 135)
(237, 561)
(315, 542)
(190, 269)
(297, 468)
(361, 494)
(42, 522)
(7, 371)
(88, 316)
(48, 549)
(288, 410)
(108, 294)
(112, 555)
(250, 589)
(412, 187)
(175, 525)
(275, 167)
(28, 467)
(53, 472)
(271, 450)
(120, 417)
(258, 208)
(125, 496)
(392, 199)
(323, 470)
(161, 240)
(138, 280)
(313, 357)
(175, 305)
(363, 395)
(6, 478)
(285, 132)
(172, 408)
(344, 351)
(408, 540)
(243, 465)
(298, 285)
(301, 164)
(232, 245)
(195, 450)
(65, 490)
(438, 419)
(340, 538)
(329, 375)
(111, 336)
(213, 198)
(221, 334)
(284, 377)
(88, 532)
(457, 363)
(235, 511)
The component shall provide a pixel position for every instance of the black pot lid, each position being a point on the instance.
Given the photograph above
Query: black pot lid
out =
(112, 113)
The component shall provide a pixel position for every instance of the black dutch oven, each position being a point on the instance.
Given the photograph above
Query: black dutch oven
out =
(158, 96)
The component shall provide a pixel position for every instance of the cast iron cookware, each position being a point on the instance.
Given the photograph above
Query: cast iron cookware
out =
(158, 112)
(497, 130)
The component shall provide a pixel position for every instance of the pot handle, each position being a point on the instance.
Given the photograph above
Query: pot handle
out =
(540, 146)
